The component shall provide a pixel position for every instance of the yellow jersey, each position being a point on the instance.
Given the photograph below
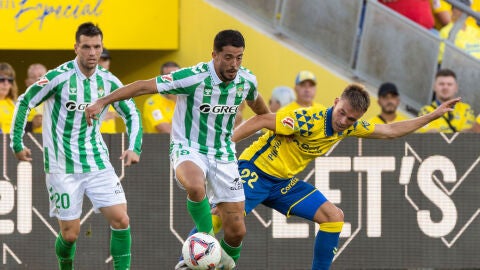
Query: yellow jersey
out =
(7, 108)
(157, 110)
(300, 136)
(461, 118)
(379, 120)
(467, 39)
(109, 126)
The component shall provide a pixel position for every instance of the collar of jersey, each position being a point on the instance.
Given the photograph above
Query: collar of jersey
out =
(215, 79)
(80, 74)
(328, 122)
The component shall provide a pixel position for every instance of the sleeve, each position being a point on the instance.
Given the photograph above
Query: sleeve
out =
(286, 122)
(131, 117)
(253, 91)
(177, 82)
(33, 96)
(362, 128)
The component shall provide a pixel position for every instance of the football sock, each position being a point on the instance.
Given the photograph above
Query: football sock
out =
(233, 252)
(200, 212)
(217, 223)
(65, 253)
(326, 243)
(120, 245)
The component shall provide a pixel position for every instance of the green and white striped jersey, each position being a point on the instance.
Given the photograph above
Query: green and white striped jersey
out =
(69, 145)
(206, 107)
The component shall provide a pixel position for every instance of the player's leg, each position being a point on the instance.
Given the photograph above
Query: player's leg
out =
(66, 198)
(304, 200)
(65, 244)
(107, 196)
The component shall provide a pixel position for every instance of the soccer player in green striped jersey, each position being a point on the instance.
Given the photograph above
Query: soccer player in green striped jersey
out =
(75, 155)
(201, 151)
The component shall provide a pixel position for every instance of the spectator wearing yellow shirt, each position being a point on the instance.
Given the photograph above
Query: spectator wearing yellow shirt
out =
(34, 73)
(467, 38)
(442, 13)
(8, 96)
(460, 119)
(388, 100)
(158, 109)
(108, 125)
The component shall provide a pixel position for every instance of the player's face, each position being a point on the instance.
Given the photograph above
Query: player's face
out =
(388, 103)
(344, 116)
(445, 88)
(227, 62)
(88, 51)
(305, 91)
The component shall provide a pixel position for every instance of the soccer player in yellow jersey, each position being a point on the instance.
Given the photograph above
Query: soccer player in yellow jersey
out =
(388, 100)
(296, 137)
(461, 118)
(158, 109)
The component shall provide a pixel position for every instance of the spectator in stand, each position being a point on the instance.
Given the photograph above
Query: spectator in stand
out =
(281, 96)
(467, 38)
(8, 96)
(460, 119)
(34, 73)
(388, 100)
(305, 90)
(158, 109)
(419, 11)
(442, 13)
(108, 125)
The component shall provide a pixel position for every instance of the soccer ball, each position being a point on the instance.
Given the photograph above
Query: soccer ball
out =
(201, 251)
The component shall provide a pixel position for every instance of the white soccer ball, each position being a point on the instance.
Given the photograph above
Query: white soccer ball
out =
(201, 251)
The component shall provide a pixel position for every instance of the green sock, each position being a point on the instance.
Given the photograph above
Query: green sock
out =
(200, 212)
(234, 252)
(65, 253)
(120, 245)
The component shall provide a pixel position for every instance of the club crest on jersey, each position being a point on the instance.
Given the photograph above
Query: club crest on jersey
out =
(101, 92)
(288, 122)
(207, 91)
(167, 77)
(43, 81)
(239, 91)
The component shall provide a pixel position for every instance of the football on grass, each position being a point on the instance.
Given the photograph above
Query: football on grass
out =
(201, 251)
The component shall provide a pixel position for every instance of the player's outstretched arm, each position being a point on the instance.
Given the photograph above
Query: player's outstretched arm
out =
(398, 129)
(134, 89)
(258, 105)
(254, 124)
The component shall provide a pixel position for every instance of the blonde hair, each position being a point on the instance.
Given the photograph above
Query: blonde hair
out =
(7, 70)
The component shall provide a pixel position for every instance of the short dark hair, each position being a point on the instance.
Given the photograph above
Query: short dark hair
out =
(167, 65)
(446, 73)
(357, 96)
(88, 29)
(226, 38)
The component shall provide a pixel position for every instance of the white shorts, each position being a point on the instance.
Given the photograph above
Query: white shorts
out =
(223, 183)
(66, 192)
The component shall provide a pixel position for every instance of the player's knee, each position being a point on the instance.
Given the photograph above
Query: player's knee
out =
(235, 234)
(338, 216)
(70, 235)
(121, 222)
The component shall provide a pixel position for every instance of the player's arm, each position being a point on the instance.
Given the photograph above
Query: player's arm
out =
(398, 129)
(254, 124)
(134, 89)
(258, 105)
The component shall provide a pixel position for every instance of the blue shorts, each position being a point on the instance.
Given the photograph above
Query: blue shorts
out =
(288, 196)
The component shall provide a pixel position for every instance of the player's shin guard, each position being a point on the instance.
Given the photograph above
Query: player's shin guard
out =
(120, 246)
(326, 244)
(65, 253)
(233, 252)
(200, 212)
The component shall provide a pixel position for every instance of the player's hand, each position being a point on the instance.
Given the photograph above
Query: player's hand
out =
(446, 106)
(92, 111)
(130, 157)
(24, 155)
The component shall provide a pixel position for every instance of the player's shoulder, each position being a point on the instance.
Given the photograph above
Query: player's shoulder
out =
(108, 75)
(247, 73)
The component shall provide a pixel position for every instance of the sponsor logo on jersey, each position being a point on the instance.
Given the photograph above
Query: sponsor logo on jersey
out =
(167, 77)
(288, 122)
(218, 109)
(74, 106)
(43, 81)
(207, 92)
